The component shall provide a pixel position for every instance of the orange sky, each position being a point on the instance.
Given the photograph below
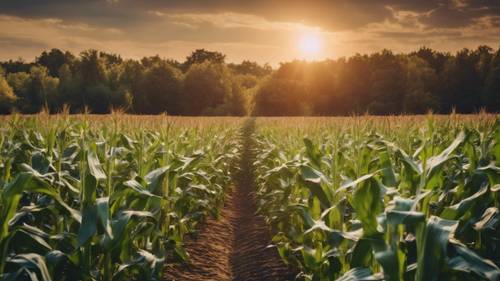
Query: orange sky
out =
(262, 31)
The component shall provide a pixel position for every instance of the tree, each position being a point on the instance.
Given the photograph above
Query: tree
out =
(21, 83)
(281, 97)
(70, 88)
(7, 97)
(131, 79)
(34, 90)
(461, 83)
(250, 68)
(201, 55)
(388, 84)
(436, 60)
(420, 88)
(110, 59)
(207, 89)
(160, 89)
(44, 89)
(54, 59)
(490, 96)
(99, 74)
(92, 67)
(380, 83)
(18, 65)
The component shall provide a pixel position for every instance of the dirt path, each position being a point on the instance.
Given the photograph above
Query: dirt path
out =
(234, 246)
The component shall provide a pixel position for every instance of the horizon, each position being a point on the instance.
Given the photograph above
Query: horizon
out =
(258, 31)
(273, 66)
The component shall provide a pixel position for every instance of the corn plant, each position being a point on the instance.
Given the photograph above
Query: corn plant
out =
(90, 199)
(389, 198)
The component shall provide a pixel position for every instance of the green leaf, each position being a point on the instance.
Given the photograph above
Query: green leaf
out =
(489, 220)
(456, 211)
(103, 215)
(468, 261)
(352, 184)
(388, 175)
(312, 179)
(88, 226)
(361, 253)
(95, 168)
(360, 274)
(432, 247)
(26, 182)
(367, 202)
(313, 154)
(155, 179)
(435, 163)
(395, 217)
(136, 186)
(33, 263)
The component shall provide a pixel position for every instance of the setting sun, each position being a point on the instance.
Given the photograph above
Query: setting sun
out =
(250, 140)
(309, 45)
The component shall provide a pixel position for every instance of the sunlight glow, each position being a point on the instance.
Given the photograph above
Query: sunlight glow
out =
(309, 45)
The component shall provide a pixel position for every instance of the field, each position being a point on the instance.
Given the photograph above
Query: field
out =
(121, 197)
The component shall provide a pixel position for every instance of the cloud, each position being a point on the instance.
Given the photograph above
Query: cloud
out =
(28, 37)
(16, 43)
(228, 20)
(408, 30)
(261, 30)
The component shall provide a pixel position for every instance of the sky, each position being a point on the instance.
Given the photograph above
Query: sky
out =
(266, 31)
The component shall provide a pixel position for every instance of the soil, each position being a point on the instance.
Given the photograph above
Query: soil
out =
(232, 247)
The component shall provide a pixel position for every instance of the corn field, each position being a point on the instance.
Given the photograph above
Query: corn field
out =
(383, 198)
(357, 198)
(111, 198)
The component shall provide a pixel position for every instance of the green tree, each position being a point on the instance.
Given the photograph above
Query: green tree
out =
(281, 97)
(490, 96)
(92, 67)
(353, 85)
(21, 84)
(208, 89)
(159, 91)
(13, 66)
(388, 84)
(99, 75)
(131, 79)
(461, 83)
(34, 90)
(70, 88)
(44, 88)
(421, 85)
(201, 55)
(247, 67)
(7, 97)
(54, 59)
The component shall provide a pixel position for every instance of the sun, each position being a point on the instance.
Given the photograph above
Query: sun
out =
(309, 45)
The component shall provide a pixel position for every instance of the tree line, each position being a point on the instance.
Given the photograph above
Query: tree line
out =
(204, 84)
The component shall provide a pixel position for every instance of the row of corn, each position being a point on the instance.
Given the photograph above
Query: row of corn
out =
(106, 198)
(382, 198)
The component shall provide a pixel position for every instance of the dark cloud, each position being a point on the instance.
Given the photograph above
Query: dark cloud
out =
(264, 29)
(461, 13)
(16, 42)
(418, 36)
(330, 14)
